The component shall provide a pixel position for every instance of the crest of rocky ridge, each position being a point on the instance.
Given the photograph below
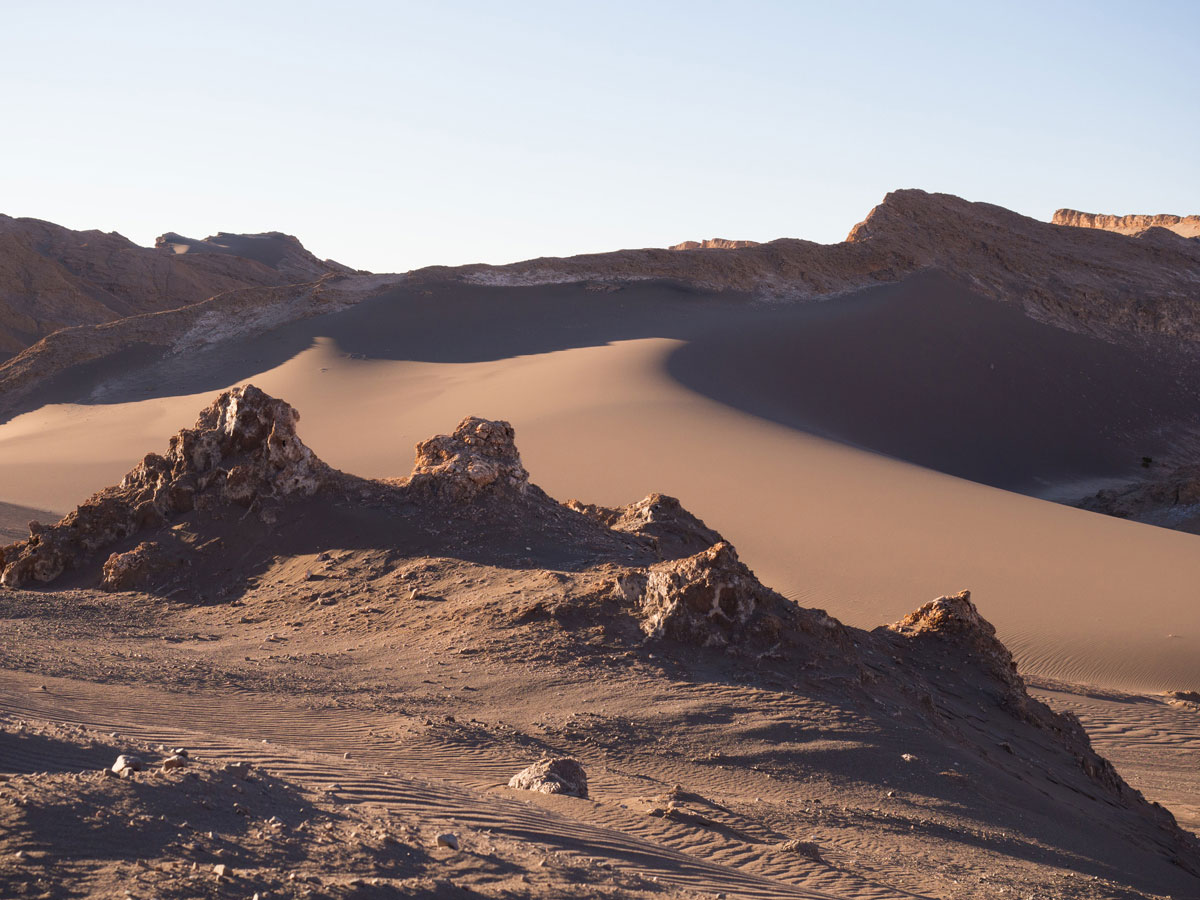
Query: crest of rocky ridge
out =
(52, 277)
(1080, 279)
(1184, 226)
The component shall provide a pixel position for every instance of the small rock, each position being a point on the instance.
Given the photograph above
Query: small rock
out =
(238, 769)
(220, 869)
(908, 757)
(447, 839)
(553, 776)
(174, 762)
(804, 848)
(127, 763)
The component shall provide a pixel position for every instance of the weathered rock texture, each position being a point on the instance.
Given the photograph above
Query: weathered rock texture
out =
(711, 599)
(1170, 499)
(950, 632)
(243, 450)
(1185, 226)
(1081, 279)
(713, 244)
(480, 456)
(953, 619)
(658, 519)
(52, 277)
(131, 569)
(553, 776)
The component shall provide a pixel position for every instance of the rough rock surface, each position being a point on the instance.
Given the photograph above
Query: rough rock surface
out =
(669, 528)
(950, 630)
(129, 570)
(52, 277)
(955, 619)
(713, 244)
(1184, 226)
(553, 776)
(479, 456)
(1170, 499)
(242, 450)
(711, 599)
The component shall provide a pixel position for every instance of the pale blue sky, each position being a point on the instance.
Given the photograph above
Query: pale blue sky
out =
(390, 135)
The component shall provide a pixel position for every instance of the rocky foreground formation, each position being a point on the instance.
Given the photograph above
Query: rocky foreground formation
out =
(52, 277)
(1081, 279)
(240, 491)
(1184, 226)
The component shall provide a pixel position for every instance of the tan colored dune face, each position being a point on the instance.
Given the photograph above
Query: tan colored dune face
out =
(1075, 594)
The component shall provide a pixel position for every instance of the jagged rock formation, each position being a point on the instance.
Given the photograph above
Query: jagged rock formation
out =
(713, 244)
(711, 599)
(478, 456)
(553, 776)
(1080, 279)
(1184, 226)
(243, 451)
(1170, 499)
(662, 521)
(951, 628)
(52, 277)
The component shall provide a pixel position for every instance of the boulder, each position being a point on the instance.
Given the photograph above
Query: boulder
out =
(553, 776)
(130, 570)
(127, 763)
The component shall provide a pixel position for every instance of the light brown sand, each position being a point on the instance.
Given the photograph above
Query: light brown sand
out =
(1077, 596)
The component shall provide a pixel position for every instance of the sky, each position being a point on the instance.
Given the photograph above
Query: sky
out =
(393, 135)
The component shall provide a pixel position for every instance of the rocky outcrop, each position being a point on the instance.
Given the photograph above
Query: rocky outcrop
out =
(713, 244)
(281, 252)
(954, 620)
(243, 451)
(133, 568)
(1184, 226)
(711, 599)
(660, 520)
(52, 277)
(479, 457)
(551, 775)
(1170, 499)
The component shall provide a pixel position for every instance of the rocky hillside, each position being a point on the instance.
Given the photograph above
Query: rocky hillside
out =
(1184, 226)
(1081, 279)
(52, 277)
